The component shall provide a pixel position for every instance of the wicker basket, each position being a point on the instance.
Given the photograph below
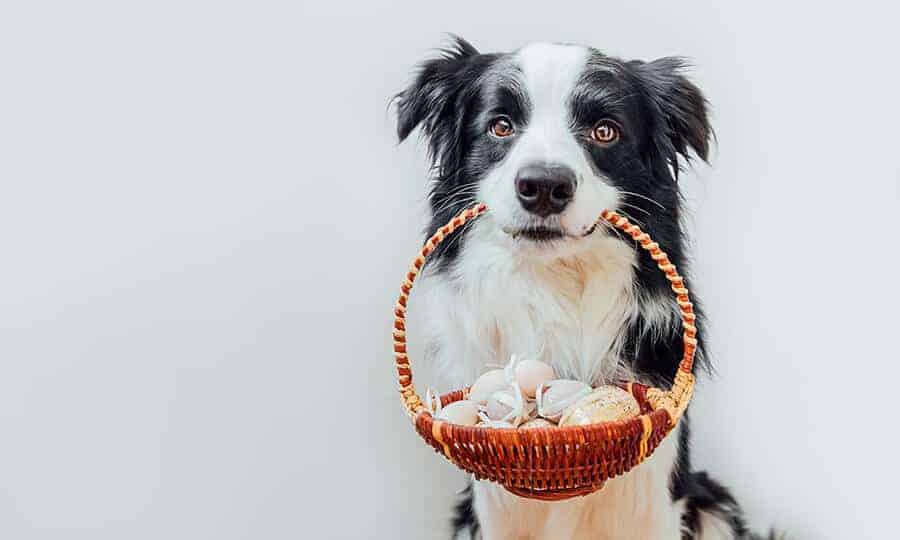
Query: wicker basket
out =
(552, 463)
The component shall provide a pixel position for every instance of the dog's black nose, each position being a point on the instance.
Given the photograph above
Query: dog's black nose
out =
(545, 189)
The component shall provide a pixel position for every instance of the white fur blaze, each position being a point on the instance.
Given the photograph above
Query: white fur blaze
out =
(548, 75)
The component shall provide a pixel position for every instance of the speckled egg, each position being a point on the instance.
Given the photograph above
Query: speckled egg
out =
(537, 423)
(604, 404)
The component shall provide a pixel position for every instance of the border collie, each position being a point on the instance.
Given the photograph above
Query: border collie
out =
(548, 136)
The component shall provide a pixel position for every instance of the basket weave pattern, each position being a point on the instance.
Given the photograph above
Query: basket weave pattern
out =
(557, 462)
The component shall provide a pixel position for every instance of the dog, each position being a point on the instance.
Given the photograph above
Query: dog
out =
(548, 136)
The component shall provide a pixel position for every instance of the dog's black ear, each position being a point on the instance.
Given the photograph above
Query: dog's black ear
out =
(434, 99)
(683, 123)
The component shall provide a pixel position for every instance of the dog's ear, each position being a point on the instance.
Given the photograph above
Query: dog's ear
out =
(434, 100)
(682, 122)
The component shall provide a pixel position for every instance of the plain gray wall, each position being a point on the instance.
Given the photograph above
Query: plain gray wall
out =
(204, 218)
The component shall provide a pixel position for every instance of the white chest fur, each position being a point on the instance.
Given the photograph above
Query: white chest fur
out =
(567, 310)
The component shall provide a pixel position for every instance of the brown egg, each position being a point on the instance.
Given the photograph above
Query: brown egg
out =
(604, 404)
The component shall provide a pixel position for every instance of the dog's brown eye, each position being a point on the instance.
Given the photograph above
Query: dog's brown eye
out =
(501, 127)
(605, 132)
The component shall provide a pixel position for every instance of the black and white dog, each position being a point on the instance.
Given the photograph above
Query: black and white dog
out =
(547, 137)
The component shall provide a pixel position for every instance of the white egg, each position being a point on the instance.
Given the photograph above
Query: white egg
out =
(463, 412)
(509, 405)
(604, 404)
(532, 373)
(487, 384)
(554, 397)
(485, 421)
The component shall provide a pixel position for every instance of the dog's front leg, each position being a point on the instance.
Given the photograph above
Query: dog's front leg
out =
(503, 516)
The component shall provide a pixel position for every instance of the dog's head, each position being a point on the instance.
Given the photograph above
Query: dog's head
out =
(550, 135)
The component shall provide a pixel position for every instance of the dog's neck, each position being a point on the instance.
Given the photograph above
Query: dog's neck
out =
(568, 310)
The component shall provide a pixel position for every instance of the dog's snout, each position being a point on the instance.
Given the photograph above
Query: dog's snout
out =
(545, 189)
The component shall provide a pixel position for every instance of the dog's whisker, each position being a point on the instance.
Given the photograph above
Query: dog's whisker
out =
(453, 198)
(610, 227)
(646, 198)
(635, 207)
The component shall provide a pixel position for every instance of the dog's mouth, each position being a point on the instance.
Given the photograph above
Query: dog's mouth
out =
(546, 233)
(540, 234)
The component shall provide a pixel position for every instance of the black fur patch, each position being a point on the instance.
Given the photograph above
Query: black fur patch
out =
(464, 520)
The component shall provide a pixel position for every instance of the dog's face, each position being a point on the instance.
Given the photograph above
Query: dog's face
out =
(550, 135)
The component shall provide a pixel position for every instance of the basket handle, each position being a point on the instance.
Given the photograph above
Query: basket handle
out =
(674, 400)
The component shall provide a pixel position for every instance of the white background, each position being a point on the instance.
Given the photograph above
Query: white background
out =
(204, 218)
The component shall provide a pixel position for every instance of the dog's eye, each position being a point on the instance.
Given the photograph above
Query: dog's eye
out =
(501, 127)
(605, 132)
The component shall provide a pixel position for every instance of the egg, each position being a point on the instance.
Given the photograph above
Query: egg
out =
(509, 405)
(489, 382)
(554, 397)
(532, 373)
(604, 404)
(463, 412)
(485, 421)
(537, 423)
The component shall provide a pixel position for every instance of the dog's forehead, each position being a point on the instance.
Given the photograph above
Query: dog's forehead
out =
(549, 72)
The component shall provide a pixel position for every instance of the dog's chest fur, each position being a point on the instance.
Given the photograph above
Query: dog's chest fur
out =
(495, 302)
